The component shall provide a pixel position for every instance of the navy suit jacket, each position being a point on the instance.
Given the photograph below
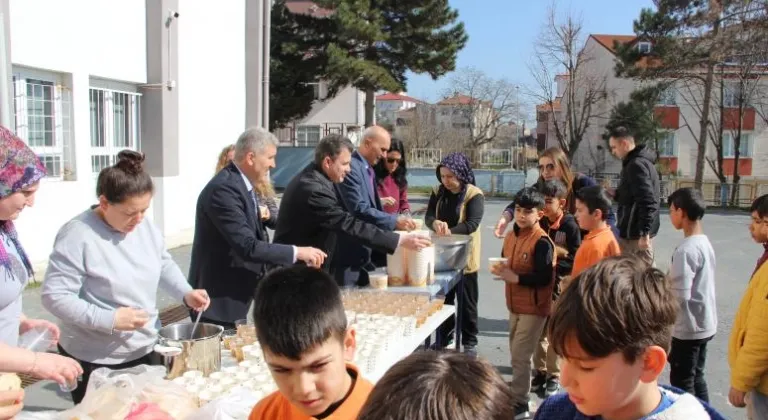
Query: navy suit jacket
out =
(230, 252)
(363, 203)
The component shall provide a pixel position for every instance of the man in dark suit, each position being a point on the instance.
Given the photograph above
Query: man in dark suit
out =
(230, 252)
(311, 213)
(360, 197)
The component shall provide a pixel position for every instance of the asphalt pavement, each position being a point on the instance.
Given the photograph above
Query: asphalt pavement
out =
(728, 232)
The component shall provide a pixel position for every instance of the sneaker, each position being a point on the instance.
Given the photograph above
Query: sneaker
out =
(470, 351)
(552, 386)
(539, 381)
(522, 411)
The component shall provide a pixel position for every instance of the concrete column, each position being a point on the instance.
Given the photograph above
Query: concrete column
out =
(160, 100)
(79, 81)
(6, 91)
(254, 59)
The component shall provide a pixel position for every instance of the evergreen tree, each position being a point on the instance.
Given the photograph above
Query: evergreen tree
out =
(296, 61)
(637, 115)
(376, 41)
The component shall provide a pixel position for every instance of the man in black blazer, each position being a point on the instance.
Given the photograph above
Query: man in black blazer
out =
(311, 213)
(230, 252)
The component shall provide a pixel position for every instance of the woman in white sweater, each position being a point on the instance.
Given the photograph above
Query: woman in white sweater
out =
(104, 272)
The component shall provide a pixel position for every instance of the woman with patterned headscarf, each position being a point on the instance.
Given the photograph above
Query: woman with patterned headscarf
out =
(456, 207)
(20, 175)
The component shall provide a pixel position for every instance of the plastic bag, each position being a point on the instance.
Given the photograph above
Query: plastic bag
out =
(236, 405)
(114, 394)
(39, 415)
(148, 411)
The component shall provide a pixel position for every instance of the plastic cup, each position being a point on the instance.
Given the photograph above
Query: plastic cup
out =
(69, 386)
(38, 339)
(494, 261)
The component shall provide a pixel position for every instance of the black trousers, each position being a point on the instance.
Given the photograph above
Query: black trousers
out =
(686, 366)
(82, 384)
(468, 313)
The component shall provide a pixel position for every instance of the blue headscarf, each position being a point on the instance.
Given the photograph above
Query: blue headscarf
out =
(459, 164)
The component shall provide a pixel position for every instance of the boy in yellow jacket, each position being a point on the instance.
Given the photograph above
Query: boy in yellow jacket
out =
(748, 346)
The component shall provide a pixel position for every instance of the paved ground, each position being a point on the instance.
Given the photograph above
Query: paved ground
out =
(736, 255)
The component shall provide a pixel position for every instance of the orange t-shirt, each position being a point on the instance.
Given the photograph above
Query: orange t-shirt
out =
(276, 407)
(598, 244)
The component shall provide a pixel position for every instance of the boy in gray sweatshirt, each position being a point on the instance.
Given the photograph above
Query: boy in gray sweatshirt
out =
(693, 280)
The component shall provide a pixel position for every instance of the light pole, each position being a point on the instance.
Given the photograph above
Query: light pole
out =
(517, 122)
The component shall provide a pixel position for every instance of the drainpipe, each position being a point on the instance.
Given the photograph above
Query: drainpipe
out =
(267, 28)
(6, 101)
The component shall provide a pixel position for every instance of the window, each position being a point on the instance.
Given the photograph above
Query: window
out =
(316, 90)
(115, 125)
(733, 96)
(644, 47)
(745, 145)
(42, 111)
(667, 144)
(307, 135)
(541, 116)
(667, 97)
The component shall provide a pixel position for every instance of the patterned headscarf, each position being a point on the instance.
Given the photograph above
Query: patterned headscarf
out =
(459, 164)
(19, 168)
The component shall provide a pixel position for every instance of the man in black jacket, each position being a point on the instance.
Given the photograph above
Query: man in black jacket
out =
(230, 252)
(638, 195)
(312, 214)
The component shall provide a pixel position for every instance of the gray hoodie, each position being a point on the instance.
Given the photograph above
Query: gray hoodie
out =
(693, 280)
(95, 270)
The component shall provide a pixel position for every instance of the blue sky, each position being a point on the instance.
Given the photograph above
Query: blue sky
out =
(502, 34)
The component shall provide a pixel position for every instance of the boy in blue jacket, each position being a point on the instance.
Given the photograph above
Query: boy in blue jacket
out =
(612, 327)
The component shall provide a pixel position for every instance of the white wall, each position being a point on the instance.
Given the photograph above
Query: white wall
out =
(347, 107)
(211, 106)
(67, 43)
(77, 41)
(103, 38)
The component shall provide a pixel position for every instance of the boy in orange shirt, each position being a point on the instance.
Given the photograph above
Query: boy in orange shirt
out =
(592, 209)
(303, 331)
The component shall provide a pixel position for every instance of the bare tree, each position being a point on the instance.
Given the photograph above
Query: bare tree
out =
(560, 50)
(419, 128)
(480, 104)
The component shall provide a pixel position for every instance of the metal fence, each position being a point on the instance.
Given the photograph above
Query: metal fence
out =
(512, 158)
(425, 158)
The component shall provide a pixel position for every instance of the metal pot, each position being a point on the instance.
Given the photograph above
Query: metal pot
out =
(451, 252)
(182, 352)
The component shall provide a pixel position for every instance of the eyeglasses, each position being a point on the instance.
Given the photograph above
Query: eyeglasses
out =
(393, 160)
(549, 167)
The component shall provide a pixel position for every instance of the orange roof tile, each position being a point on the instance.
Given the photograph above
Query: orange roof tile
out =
(608, 41)
(397, 97)
(556, 104)
(459, 100)
(305, 7)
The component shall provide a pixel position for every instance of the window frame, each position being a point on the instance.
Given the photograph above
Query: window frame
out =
(56, 157)
(305, 141)
(673, 147)
(104, 150)
(730, 153)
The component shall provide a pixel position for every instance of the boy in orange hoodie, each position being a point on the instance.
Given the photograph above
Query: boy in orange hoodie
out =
(592, 208)
(307, 344)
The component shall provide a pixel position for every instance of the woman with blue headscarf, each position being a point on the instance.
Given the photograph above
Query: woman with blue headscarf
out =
(456, 207)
